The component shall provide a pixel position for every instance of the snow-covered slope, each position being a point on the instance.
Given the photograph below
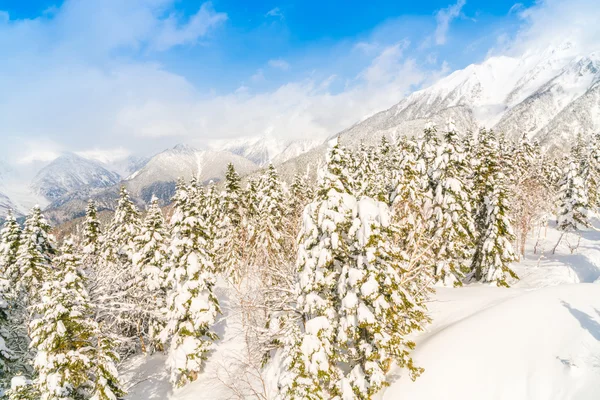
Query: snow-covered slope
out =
(511, 344)
(539, 340)
(5, 205)
(264, 149)
(550, 94)
(69, 173)
(128, 166)
(159, 175)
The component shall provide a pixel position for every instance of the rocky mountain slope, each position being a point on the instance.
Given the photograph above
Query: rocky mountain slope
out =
(159, 175)
(550, 95)
(69, 173)
(262, 150)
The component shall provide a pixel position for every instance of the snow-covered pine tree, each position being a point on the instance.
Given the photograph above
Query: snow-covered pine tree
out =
(230, 234)
(411, 206)
(209, 212)
(7, 355)
(251, 201)
(311, 359)
(356, 303)
(366, 176)
(381, 303)
(192, 305)
(151, 260)
(22, 388)
(231, 197)
(430, 145)
(34, 257)
(268, 238)
(107, 384)
(62, 331)
(592, 183)
(572, 214)
(300, 195)
(451, 226)
(117, 246)
(90, 241)
(116, 290)
(493, 251)
(270, 258)
(10, 239)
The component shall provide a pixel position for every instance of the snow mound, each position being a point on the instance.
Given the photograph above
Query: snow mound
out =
(542, 344)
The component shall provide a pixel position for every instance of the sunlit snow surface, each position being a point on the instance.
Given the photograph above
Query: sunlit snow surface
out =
(539, 340)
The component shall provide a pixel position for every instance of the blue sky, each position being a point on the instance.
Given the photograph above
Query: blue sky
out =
(108, 78)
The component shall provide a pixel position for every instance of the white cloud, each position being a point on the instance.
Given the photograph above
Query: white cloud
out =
(61, 83)
(105, 156)
(443, 18)
(279, 64)
(275, 12)
(554, 22)
(307, 108)
(173, 33)
(40, 151)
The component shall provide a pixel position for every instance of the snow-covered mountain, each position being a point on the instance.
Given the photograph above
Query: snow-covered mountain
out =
(69, 173)
(127, 166)
(550, 95)
(160, 173)
(264, 149)
(5, 205)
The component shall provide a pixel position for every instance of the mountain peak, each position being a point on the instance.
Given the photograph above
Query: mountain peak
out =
(183, 148)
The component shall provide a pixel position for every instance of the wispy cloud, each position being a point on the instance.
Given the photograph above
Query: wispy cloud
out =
(172, 32)
(86, 79)
(279, 64)
(275, 13)
(444, 17)
(105, 155)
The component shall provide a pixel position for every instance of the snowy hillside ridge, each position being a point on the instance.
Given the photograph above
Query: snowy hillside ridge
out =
(262, 150)
(159, 174)
(529, 94)
(69, 173)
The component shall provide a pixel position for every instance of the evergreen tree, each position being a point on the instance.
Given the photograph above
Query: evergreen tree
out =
(267, 240)
(366, 177)
(90, 242)
(118, 245)
(192, 305)
(231, 197)
(62, 333)
(251, 199)
(493, 250)
(430, 145)
(411, 205)
(107, 384)
(151, 261)
(7, 355)
(379, 306)
(573, 204)
(10, 239)
(592, 183)
(322, 253)
(209, 212)
(300, 195)
(34, 256)
(22, 388)
(117, 287)
(452, 228)
(356, 298)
